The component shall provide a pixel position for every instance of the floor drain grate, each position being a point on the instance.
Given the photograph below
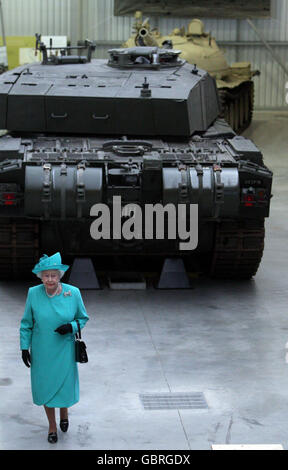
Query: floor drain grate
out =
(172, 401)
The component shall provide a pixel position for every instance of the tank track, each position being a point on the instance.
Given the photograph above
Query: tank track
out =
(19, 248)
(237, 254)
(237, 106)
(238, 249)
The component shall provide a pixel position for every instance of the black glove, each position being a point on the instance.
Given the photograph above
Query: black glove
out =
(64, 329)
(26, 357)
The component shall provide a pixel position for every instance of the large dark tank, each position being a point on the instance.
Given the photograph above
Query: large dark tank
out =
(142, 125)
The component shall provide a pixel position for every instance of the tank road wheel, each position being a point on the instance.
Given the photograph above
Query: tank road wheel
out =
(236, 113)
(247, 106)
(238, 249)
(242, 119)
(223, 107)
(232, 114)
(237, 106)
(19, 248)
(248, 99)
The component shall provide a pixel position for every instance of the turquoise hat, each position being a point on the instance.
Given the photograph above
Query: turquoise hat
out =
(50, 262)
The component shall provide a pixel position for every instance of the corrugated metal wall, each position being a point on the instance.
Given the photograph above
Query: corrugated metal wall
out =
(94, 19)
(269, 86)
(27, 17)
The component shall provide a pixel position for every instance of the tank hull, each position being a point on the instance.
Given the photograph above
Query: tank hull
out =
(52, 184)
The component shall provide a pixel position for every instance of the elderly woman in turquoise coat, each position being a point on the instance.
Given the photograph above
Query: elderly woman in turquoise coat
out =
(47, 329)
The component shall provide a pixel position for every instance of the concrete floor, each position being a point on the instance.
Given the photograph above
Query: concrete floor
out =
(225, 339)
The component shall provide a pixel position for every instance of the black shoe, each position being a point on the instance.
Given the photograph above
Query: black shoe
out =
(52, 437)
(64, 424)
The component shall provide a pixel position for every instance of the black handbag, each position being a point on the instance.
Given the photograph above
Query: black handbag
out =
(80, 347)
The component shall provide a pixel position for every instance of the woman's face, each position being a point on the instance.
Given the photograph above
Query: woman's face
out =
(50, 279)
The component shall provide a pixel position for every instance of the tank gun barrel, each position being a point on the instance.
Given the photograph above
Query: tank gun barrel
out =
(145, 38)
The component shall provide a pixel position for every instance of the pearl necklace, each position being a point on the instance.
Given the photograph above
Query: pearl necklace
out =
(54, 292)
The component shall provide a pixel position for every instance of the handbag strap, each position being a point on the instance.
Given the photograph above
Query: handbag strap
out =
(79, 330)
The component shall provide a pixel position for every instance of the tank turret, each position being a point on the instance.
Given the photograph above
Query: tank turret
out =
(139, 130)
(35, 98)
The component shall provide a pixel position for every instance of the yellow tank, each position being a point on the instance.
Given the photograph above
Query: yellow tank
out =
(234, 82)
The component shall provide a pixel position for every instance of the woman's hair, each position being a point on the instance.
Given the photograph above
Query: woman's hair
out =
(61, 273)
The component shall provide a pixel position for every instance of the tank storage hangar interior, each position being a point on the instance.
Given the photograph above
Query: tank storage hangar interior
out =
(144, 145)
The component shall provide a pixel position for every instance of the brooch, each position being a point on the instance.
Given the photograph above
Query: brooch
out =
(68, 292)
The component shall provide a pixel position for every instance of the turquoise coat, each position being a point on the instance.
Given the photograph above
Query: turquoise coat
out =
(54, 372)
